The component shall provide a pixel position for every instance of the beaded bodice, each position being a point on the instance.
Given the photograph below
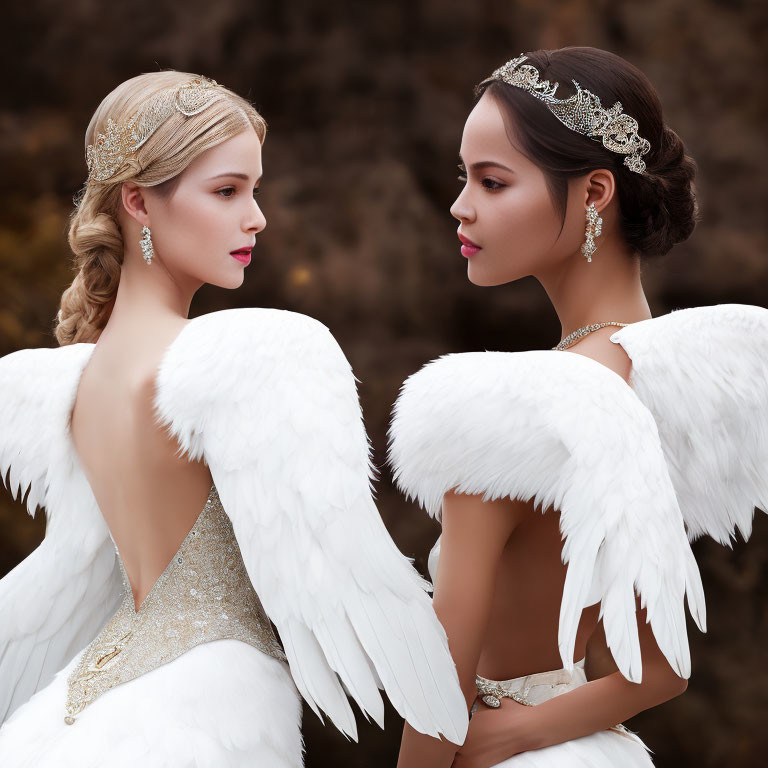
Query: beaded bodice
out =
(204, 594)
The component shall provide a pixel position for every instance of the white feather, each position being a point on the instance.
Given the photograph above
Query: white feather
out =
(703, 373)
(222, 704)
(55, 601)
(564, 431)
(268, 399)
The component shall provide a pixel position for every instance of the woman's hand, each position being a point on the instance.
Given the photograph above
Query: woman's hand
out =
(496, 734)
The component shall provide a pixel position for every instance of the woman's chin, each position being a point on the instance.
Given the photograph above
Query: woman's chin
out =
(234, 276)
(484, 277)
(236, 282)
(228, 282)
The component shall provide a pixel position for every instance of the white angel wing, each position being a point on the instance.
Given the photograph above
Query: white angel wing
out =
(703, 373)
(565, 431)
(269, 400)
(55, 601)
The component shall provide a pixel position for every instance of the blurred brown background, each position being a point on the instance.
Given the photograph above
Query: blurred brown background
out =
(366, 103)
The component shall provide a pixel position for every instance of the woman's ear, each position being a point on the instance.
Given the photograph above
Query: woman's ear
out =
(134, 203)
(600, 189)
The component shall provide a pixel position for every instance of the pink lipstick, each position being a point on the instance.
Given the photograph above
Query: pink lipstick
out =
(468, 248)
(243, 255)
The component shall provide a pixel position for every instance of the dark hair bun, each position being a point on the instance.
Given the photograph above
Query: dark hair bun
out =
(659, 209)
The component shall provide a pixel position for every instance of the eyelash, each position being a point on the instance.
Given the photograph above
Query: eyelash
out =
(486, 182)
(233, 190)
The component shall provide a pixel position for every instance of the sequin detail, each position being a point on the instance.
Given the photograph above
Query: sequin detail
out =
(204, 594)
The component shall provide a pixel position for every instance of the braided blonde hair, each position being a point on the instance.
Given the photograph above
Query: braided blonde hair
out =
(94, 232)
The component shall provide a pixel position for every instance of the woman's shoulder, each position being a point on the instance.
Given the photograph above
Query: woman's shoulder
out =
(37, 391)
(275, 332)
(266, 317)
(695, 341)
(672, 357)
(498, 377)
(485, 387)
(493, 403)
(226, 367)
(703, 374)
(698, 391)
(597, 346)
(501, 422)
(36, 371)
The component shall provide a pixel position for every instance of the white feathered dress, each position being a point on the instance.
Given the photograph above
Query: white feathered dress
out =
(636, 472)
(268, 400)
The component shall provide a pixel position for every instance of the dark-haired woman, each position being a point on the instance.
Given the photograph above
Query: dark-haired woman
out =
(570, 481)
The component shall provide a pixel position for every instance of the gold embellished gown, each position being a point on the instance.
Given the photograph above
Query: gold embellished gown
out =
(289, 543)
(200, 628)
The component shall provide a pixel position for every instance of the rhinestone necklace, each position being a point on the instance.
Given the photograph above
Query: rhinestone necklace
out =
(572, 338)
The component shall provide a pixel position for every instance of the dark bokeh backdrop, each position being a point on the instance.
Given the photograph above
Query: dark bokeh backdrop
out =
(366, 103)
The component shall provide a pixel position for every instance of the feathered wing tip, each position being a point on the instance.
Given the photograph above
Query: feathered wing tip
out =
(56, 600)
(560, 430)
(703, 374)
(30, 395)
(268, 399)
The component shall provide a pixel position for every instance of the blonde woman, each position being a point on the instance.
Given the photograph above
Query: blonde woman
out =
(202, 479)
(570, 480)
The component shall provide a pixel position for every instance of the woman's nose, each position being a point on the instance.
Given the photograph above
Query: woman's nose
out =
(256, 220)
(461, 209)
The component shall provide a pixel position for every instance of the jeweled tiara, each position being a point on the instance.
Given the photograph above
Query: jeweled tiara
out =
(582, 113)
(110, 150)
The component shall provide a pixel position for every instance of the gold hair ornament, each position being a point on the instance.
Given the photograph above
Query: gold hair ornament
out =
(582, 113)
(111, 149)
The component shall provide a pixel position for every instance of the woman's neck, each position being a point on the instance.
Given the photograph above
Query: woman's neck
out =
(607, 288)
(148, 297)
(149, 302)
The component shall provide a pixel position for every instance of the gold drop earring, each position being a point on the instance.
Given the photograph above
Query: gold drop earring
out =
(594, 229)
(146, 244)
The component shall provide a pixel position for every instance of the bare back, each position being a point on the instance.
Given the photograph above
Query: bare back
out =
(149, 497)
(521, 636)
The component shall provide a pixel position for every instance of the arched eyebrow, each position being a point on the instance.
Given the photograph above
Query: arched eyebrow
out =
(483, 164)
(233, 175)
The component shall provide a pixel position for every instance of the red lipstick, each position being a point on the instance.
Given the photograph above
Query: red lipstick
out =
(468, 248)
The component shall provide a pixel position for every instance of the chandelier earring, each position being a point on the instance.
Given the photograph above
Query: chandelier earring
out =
(146, 244)
(594, 229)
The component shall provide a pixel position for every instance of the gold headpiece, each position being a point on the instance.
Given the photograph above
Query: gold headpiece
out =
(111, 149)
(582, 113)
